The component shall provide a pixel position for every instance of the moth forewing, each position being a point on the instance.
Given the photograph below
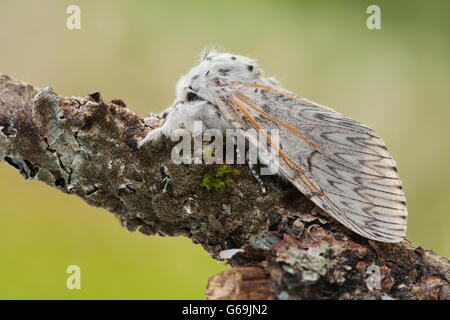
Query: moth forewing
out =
(340, 164)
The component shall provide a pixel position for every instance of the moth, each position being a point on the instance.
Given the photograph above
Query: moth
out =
(339, 163)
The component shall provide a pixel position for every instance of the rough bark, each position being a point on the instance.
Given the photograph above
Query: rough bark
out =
(290, 248)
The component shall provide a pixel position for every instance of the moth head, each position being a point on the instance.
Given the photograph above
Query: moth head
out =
(185, 91)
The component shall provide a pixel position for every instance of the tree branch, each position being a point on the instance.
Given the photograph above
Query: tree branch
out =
(290, 249)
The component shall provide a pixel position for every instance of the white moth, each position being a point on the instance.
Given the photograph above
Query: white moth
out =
(340, 164)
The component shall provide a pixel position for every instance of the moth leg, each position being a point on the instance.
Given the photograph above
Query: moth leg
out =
(257, 177)
(151, 136)
(174, 120)
(252, 169)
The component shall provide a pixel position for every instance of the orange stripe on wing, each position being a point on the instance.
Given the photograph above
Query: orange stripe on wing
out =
(262, 86)
(289, 162)
(294, 130)
(281, 123)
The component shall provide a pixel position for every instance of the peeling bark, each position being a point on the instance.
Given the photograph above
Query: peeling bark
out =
(290, 249)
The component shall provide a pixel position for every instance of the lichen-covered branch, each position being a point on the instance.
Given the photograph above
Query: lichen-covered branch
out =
(288, 248)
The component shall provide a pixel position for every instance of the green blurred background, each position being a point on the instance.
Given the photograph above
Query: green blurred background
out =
(396, 80)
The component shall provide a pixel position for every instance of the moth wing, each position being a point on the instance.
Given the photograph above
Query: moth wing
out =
(340, 164)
